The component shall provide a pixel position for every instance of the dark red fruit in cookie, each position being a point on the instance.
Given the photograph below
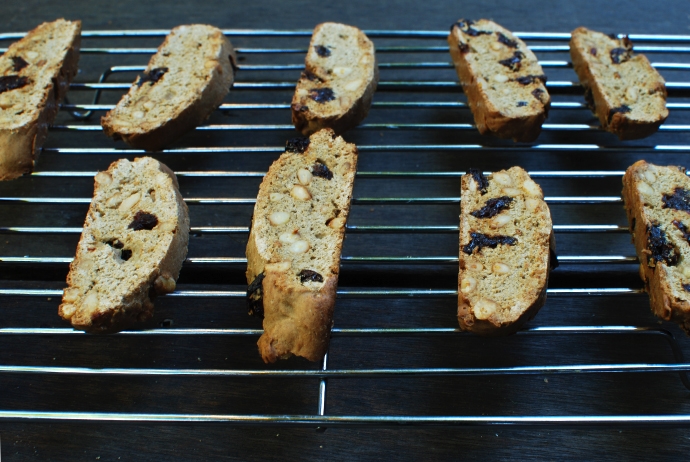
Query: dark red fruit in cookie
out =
(309, 275)
(660, 248)
(493, 207)
(18, 63)
(506, 41)
(464, 48)
(513, 62)
(153, 76)
(679, 200)
(683, 229)
(482, 181)
(521, 103)
(479, 240)
(255, 297)
(12, 82)
(143, 220)
(465, 26)
(126, 254)
(322, 95)
(322, 51)
(620, 109)
(620, 55)
(526, 80)
(319, 169)
(297, 145)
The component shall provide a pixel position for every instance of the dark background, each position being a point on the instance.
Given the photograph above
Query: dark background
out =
(575, 394)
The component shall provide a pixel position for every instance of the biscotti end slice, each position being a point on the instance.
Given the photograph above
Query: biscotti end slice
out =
(507, 248)
(35, 74)
(293, 254)
(184, 82)
(338, 82)
(501, 78)
(624, 91)
(657, 203)
(132, 247)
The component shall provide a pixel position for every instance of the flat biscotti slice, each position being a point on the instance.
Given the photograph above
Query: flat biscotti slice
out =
(502, 79)
(293, 254)
(657, 203)
(507, 248)
(339, 80)
(132, 247)
(184, 82)
(623, 90)
(35, 74)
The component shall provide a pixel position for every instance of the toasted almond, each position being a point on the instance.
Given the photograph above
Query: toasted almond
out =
(299, 247)
(91, 301)
(103, 178)
(500, 220)
(467, 285)
(280, 266)
(130, 202)
(650, 176)
(512, 192)
(353, 85)
(500, 268)
(484, 308)
(532, 188)
(138, 114)
(301, 193)
(337, 223)
(500, 78)
(275, 197)
(474, 266)
(631, 93)
(496, 46)
(304, 176)
(502, 178)
(279, 218)
(289, 237)
(532, 204)
(341, 71)
(31, 54)
(645, 189)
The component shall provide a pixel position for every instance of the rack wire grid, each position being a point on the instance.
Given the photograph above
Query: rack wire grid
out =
(396, 355)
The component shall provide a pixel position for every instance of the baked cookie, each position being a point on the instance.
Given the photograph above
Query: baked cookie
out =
(507, 248)
(657, 203)
(35, 74)
(339, 80)
(501, 78)
(184, 82)
(132, 247)
(622, 89)
(293, 254)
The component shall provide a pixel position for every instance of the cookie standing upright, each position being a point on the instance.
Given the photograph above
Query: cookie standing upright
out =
(657, 204)
(622, 89)
(293, 253)
(35, 74)
(507, 249)
(184, 82)
(502, 79)
(339, 80)
(132, 247)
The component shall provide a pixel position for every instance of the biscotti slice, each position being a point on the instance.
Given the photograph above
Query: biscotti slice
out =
(507, 248)
(132, 247)
(293, 254)
(339, 80)
(623, 90)
(657, 203)
(35, 74)
(501, 78)
(184, 82)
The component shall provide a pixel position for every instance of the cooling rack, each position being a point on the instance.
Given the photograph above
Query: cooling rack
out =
(395, 340)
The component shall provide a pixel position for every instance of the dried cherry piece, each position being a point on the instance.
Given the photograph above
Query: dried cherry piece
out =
(660, 248)
(297, 145)
(506, 41)
(686, 287)
(322, 51)
(513, 63)
(479, 240)
(521, 103)
(464, 48)
(126, 254)
(593, 51)
(322, 95)
(255, 296)
(683, 229)
(143, 220)
(153, 76)
(493, 207)
(311, 77)
(620, 55)
(320, 169)
(537, 92)
(18, 63)
(116, 244)
(482, 181)
(620, 109)
(679, 200)
(528, 79)
(308, 275)
(465, 26)
(12, 82)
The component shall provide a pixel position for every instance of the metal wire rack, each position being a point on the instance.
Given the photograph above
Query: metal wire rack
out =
(41, 214)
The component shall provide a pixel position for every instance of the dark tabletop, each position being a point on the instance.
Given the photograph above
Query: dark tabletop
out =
(494, 395)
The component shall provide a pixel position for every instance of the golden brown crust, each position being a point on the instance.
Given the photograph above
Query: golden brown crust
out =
(207, 99)
(20, 147)
(524, 125)
(667, 302)
(600, 90)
